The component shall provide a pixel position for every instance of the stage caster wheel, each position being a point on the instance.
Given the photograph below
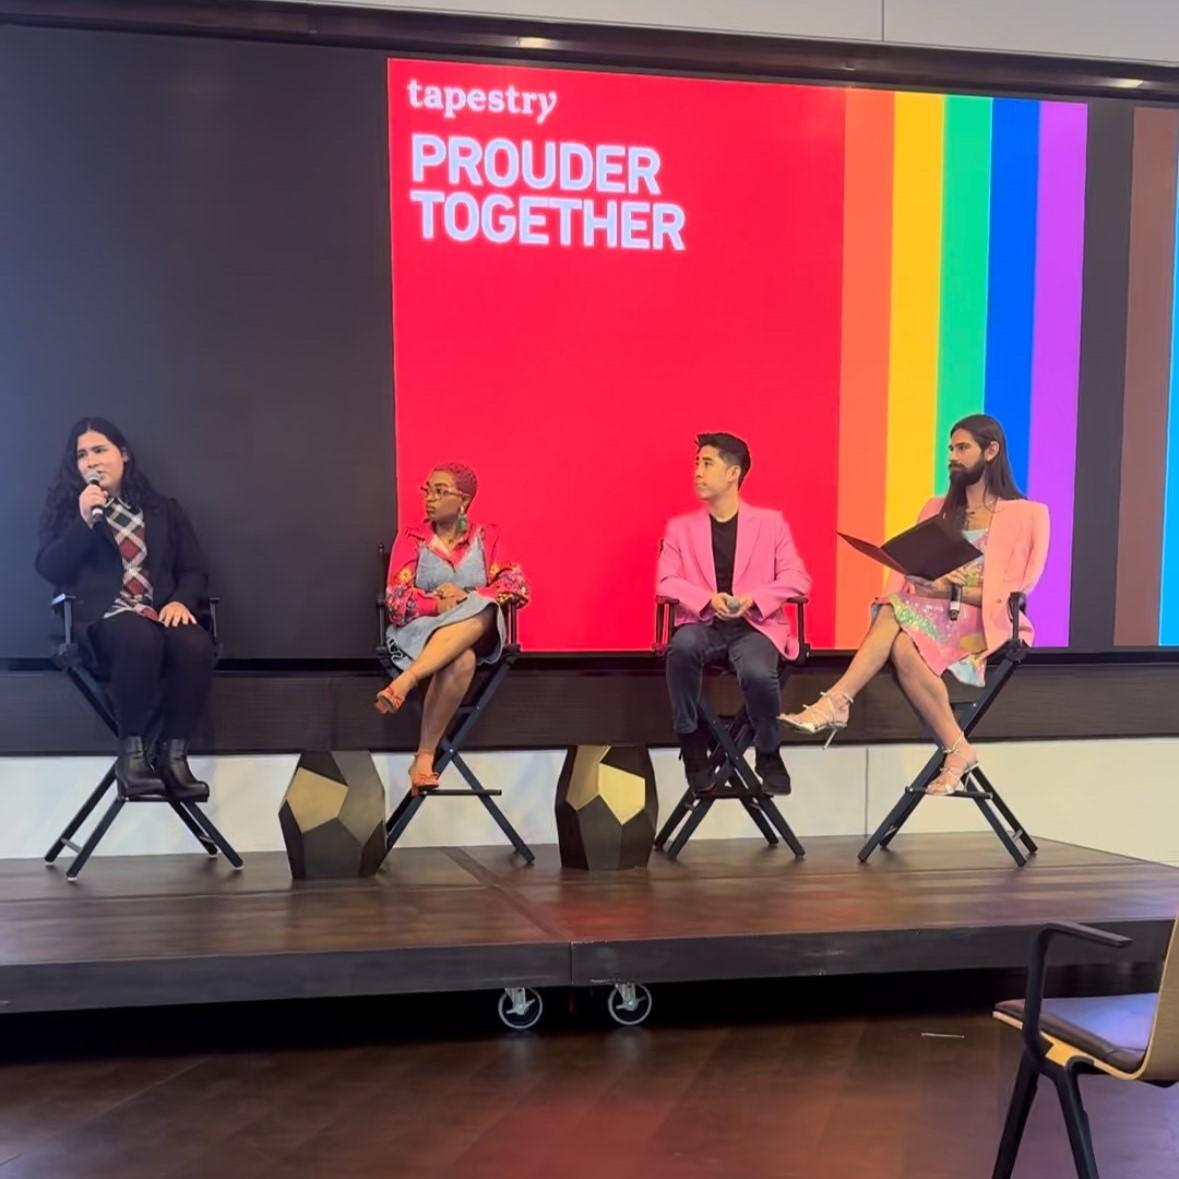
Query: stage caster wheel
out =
(629, 1004)
(520, 1008)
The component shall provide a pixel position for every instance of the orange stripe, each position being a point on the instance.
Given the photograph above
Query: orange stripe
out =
(863, 395)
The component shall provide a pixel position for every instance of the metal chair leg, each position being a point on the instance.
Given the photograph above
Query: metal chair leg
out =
(513, 836)
(775, 816)
(198, 834)
(677, 816)
(213, 834)
(501, 820)
(1019, 833)
(1001, 831)
(65, 839)
(402, 817)
(909, 802)
(694, 819)
(1022, 1096)
(1077, 1122)
(760, 821)
(87, 849)
(891, 824)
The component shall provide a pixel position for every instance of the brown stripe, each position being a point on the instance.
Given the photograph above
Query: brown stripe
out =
(1148, 359)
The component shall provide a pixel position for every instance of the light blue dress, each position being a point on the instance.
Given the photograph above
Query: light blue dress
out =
(406, 642)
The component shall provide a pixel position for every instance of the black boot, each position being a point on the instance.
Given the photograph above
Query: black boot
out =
(174, 769)
(694, 754)
(134, 774)
(772, 772)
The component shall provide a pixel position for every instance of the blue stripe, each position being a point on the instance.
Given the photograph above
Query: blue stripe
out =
(1012, 277)
(1169, 579)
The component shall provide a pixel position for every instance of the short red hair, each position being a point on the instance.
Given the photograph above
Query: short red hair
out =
(464, 478)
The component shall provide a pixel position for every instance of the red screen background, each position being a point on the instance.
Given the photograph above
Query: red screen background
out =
(574, 379)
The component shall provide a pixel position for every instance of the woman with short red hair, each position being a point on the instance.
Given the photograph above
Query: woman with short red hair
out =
(448, 579)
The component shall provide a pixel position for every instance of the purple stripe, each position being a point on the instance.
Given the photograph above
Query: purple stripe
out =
(1056, 347)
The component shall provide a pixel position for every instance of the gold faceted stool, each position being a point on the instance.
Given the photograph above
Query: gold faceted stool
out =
(607, 807)
(333, 816)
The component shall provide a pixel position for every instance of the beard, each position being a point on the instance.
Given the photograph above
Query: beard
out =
(967, 476)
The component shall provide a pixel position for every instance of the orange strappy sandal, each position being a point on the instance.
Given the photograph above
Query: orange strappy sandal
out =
(420, 781)
(388, 702)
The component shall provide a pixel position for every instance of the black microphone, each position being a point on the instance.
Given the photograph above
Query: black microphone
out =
(955, 602)
(99, 510)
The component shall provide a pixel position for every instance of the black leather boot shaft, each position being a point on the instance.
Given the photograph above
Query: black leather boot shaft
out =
(133, 772)
(178, 775)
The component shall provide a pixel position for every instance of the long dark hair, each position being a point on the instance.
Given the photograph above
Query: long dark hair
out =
(1000, 479)
(61, 501)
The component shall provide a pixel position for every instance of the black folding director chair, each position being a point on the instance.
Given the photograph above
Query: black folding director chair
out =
(975, 786)
(487, 681)
(68, 656)
(730, 775)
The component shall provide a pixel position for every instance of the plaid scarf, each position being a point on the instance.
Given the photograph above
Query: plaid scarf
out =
(130, 535)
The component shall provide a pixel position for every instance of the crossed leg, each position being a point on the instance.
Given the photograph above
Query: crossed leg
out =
(885, 642)
(448, 660)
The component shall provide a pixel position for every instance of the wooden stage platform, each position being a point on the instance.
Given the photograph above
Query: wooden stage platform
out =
(159, 930)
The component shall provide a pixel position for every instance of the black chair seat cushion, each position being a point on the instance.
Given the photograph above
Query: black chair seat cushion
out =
(1111, 1028)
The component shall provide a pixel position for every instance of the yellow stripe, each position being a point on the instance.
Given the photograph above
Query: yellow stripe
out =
(916, 289)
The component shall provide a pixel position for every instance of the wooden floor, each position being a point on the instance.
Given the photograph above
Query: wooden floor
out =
(874, 1074)
(866, 1094)
(161, 930)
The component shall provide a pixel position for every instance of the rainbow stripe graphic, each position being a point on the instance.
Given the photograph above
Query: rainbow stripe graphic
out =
(962, 291)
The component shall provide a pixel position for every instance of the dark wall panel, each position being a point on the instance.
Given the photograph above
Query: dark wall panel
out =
(1102, 375)
(543, 708)
(195, 244)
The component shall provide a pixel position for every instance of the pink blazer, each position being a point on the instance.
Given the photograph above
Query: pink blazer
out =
(766, 566)
(1017, 547)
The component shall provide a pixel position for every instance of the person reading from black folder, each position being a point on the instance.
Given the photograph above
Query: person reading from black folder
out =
(952, 622)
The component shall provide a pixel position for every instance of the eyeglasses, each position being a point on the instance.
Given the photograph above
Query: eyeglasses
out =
(437, 492)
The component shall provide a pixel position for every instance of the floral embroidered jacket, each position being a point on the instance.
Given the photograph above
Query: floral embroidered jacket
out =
(505, 581)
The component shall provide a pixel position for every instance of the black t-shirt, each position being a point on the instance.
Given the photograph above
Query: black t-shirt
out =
(724, 553)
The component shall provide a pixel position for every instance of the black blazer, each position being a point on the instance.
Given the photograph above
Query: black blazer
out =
(85, 561)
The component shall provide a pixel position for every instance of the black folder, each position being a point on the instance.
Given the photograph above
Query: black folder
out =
(928, 550)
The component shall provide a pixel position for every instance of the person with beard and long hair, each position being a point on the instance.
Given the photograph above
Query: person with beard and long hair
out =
(913, 626)
(131, 558)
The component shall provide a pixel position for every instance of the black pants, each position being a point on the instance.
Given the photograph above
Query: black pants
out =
(153, 667)
(750, 654)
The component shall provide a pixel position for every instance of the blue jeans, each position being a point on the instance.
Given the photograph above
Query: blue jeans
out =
(748, 652)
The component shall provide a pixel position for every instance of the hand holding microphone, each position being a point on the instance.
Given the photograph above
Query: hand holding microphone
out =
(955, 602)
(957, 582)
(93, 500)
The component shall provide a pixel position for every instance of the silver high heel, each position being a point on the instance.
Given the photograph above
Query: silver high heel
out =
(807, 721)
(951, 780)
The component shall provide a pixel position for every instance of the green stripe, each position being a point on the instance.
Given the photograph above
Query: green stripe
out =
(966, 209)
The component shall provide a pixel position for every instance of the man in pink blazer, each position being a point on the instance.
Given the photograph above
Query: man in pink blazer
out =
(928, 629)
(729, 568)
